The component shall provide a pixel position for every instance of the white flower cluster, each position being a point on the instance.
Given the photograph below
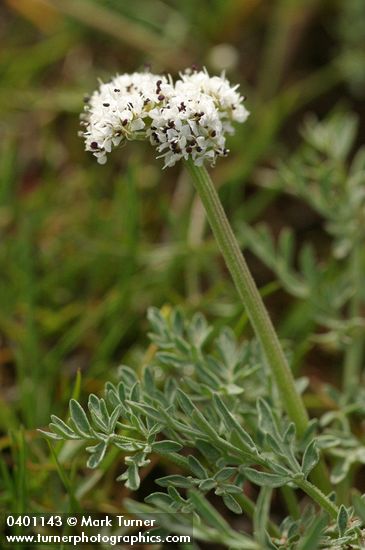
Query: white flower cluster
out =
(118, 110)
(188, 119)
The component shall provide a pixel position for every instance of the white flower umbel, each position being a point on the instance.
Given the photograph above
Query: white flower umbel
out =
(188, 120)
(194, 122)
(118, 110)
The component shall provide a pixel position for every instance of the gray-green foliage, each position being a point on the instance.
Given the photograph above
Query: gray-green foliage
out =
(325, 175)
(206, 404)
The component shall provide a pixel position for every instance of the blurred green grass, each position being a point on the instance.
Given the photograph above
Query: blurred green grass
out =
(85, 250)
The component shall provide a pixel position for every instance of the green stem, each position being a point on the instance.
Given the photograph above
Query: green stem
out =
(354, 352)
(249, 508)
(320, 498)
(254, 305)
(250, 296)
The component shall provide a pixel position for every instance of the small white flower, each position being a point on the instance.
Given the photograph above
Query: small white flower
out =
(117, 110)
(227, 100)
(195, 121)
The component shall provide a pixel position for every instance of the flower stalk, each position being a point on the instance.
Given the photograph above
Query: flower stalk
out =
(250, 296)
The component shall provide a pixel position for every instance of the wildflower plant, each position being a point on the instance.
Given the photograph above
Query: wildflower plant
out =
(227, 413)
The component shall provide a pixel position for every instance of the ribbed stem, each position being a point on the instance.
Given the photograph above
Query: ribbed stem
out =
(320, 498)
(250, 296)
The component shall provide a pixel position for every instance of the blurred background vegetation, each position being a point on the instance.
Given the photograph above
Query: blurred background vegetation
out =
(85, 249)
